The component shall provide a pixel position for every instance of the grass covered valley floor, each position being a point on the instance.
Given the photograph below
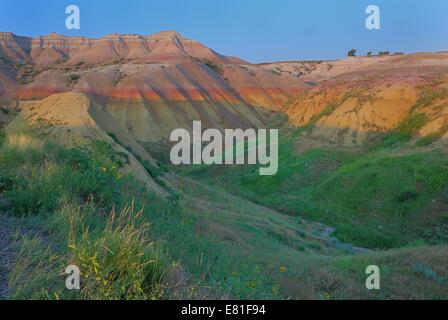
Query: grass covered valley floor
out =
(378, 198)
(307, 233)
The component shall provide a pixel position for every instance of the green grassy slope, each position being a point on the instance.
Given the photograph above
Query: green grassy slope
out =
(272, 255)
(383, 198)
(199, 242)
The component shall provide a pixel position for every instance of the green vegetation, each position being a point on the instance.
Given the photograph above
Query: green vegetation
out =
(374, 199)
(74, 77)
(4, 110)
(383, 201)
(26, 73)
(326, 112)
(131, 244)
(212, 65)
(332, 106)
(69, 191)
(404, 132)
(409, 127)
(128, 242)
(115, 256)
(2, 137)
(412, 124)
(429, 139)
(352, 53)
(73, 195)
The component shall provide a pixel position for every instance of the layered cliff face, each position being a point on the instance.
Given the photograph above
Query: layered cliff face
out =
(151, 84)
(154, 84)
(45, 50)
(406, 94)
(73, 119)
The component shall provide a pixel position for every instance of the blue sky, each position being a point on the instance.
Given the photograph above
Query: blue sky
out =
(255, 30)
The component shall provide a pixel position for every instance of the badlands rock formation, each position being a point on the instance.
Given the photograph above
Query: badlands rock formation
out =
(73, 119)
(153, 84)
(360, 97)
(150, 84)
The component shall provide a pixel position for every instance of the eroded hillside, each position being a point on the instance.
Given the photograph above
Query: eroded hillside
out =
(150, 84)
(76, 115)
(406, 95)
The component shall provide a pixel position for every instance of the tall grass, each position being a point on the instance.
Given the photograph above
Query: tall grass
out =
(75, 193)
(126, 240)
(81, 200)
(118, 260)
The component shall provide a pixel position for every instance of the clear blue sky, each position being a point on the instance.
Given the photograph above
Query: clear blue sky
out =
(255, 30)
